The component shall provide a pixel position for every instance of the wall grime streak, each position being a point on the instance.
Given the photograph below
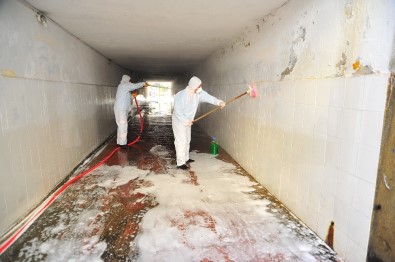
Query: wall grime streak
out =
(39, 74)
(314, 127)
(342, 64)
(293, 58)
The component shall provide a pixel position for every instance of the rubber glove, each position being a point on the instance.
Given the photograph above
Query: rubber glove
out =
(189, 123)
(222, 104)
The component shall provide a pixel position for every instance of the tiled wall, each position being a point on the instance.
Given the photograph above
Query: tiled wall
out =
(56, 98)
(312, 136)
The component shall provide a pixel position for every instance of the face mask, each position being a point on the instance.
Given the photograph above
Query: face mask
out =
(199, 90)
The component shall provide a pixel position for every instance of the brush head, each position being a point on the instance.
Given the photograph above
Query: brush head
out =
(252, 90)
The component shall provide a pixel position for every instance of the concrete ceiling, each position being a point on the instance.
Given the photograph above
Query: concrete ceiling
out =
(156, 37)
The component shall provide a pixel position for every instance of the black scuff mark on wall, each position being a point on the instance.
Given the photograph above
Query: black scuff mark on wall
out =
(245, 43)
(222, 54)
(293, 58)
(302, 33)
(273, 13)
(284, 4)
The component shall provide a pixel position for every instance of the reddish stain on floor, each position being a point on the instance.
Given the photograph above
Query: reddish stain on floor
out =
(123, 208)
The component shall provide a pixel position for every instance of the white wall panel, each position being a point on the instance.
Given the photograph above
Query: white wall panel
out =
(313, 134)
(56, 98)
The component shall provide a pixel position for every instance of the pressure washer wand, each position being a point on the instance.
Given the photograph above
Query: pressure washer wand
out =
(251, 91)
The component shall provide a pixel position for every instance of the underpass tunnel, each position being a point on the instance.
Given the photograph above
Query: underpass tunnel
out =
(317, 140)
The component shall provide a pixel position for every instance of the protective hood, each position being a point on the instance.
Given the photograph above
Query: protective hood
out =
(195, 82)
(125, 79)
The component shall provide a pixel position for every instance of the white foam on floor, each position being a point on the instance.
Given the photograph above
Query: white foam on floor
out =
(159, 150)
(75, 236)
(116, 176)
(213, 220)
(68, 241)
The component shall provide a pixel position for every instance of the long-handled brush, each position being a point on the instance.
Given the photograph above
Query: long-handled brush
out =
(251, 91)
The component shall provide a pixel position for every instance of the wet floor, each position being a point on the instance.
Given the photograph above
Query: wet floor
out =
(139, 207)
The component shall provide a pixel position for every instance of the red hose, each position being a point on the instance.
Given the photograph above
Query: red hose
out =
(15, 236)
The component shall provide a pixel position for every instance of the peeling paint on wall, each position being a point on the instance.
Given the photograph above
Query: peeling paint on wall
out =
(293, 58)
(313, 110)
(361, 69)
(348, 11)
(342, 64)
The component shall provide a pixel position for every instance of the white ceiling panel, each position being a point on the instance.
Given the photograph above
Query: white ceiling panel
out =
(156, 36)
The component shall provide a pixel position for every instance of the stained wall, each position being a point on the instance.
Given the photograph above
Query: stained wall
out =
(313, 134)
(56, 98)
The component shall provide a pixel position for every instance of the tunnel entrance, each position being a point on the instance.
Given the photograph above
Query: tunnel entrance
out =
(159, 97)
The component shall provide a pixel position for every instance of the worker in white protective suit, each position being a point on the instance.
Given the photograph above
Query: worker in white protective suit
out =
(122, 107)
(185, 106)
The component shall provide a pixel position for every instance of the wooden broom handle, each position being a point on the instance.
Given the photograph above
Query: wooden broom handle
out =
(215, 109)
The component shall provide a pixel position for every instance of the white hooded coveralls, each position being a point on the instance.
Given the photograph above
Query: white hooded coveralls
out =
(122, 106)
(185, 106)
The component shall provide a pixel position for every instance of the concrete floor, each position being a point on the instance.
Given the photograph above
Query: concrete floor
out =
(139, 207)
